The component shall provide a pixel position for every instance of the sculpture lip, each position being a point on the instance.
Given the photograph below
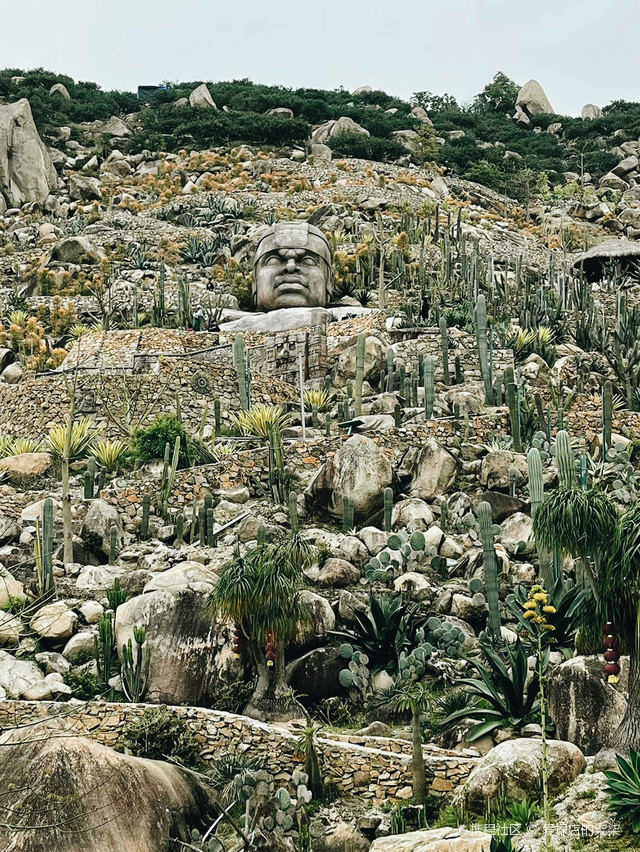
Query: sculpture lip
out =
(291, 282)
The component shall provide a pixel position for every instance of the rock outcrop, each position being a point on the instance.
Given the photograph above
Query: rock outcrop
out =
(26, 170)
(95, 798)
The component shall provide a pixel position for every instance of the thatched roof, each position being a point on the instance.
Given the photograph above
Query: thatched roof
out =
(591, 261)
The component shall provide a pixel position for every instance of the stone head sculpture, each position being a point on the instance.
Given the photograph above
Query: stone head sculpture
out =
(292, 268)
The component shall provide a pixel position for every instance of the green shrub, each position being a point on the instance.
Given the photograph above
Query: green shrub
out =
(159, 734)
(366, 147)
(623, 785)
(84, 685)
(150, 443)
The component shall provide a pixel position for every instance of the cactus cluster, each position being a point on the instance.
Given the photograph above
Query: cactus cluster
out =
(392, 560)
(412, 666)
(445, 636)
(356, 675)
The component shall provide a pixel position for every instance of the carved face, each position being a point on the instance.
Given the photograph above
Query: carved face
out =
(291, 278)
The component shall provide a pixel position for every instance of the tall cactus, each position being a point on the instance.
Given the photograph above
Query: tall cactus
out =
(217, 417)
(483, 351)
(388, 509)
(146, 511)
(512, 402)
(444, 342)
(47, 582)
(293, 511)
(168, 476)
(607, 416)
(113, 545)
(241, 367)
(565, 461)
(429, 389)
(536, 495)
(90, 479)
(490, 568)
(135, 668)
(347, 514)
(390, 380)
(360, 345)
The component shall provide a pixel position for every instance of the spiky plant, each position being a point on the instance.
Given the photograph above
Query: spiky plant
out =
(623, 786)
(25, 445)
(260, 419)
(6, 445)
(108, 454)
(322, 398)
(83, 435)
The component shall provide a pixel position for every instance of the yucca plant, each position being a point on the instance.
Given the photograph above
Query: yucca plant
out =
(83, 435)
(322, 398)
(108, 454)
(623, 786)
(78, 330)
(221, 451)
(24, 445)
(260, 419)
(6, 444)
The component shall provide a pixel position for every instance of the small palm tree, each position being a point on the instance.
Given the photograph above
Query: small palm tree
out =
(261, 593)
(415, 697)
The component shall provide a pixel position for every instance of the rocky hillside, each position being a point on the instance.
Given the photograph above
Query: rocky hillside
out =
(374, 603)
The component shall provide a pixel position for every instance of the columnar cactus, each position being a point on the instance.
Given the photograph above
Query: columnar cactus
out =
(113, 545)
(90, 480)
(388, 509)
(179, 529)
(565, 461)
(46, 559)
(512, 402)
(429, 391)
(360, 345)
(607, 416)
(217, 417)
(490, 567)
(347, 514)
(390, 369)
(536, 495)
(293, 511)
(444, 340)
(146, 511)
(483, 352)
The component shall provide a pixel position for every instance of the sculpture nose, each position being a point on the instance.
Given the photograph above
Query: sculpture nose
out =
(291, 264)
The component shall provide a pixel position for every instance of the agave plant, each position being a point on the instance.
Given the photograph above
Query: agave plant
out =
(512, 702)
(260, 419)
(83, 435)
(383, 631)
(6, 445)
(322, 398)
(623, 786)
(108, 454)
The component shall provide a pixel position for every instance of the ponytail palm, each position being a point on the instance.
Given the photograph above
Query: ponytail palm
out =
(261, 592)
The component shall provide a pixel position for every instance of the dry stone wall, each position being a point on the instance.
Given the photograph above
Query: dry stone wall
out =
(376, 768)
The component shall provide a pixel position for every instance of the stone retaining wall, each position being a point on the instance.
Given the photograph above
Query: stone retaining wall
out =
(29, 409)
(250, 467)
(375, 768)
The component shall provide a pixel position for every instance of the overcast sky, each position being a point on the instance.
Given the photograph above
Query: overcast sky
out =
(580, 51)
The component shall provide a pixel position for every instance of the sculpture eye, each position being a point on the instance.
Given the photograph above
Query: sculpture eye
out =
(274, 260)
(309, 261)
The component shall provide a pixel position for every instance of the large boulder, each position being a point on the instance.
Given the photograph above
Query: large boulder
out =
(496, 467)
(319, 620)
(316, 674)
(434, 840)
(201, 97)
(101, 517)
(533, 100)
(432, 469)
(516, 534)
(26, 465)
(96, 798)
(54, 621)
(77, 250)
(11, 590)
(17, 676)
(335, 127)
(515, 767)
(26, 170)
(585, 708)
(374, 358)
(185, 575)
(359, 470)
(590, 111)
(84, 188)
(9, 528)
(411, 514)
(190, 652)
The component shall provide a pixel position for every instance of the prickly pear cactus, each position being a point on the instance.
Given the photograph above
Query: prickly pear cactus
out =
(402, 551)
